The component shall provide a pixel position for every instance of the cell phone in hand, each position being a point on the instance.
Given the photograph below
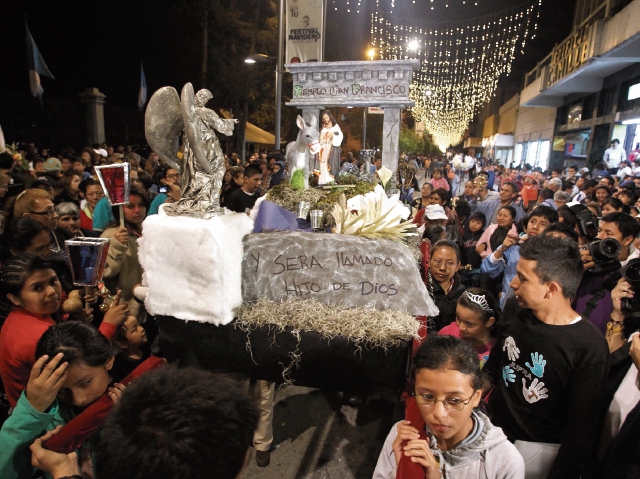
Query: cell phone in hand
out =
(163, 189)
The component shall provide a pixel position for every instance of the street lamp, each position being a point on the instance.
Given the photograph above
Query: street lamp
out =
(262, 58)
(265, 58)
(258, 57)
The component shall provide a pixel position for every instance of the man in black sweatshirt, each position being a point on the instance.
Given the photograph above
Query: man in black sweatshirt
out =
(245, 197)
(549, 364)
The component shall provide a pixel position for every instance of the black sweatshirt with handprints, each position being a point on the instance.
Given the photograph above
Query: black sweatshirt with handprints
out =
(549, 384)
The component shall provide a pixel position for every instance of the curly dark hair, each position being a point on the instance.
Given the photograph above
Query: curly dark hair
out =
(178, 423)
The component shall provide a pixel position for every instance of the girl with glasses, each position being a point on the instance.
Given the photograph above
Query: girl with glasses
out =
(443, 434)
(443, 283)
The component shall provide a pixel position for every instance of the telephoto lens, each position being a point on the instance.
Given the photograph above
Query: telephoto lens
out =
(631, 273)
(604, 250)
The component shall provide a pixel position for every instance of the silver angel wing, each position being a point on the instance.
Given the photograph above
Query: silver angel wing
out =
(191, 129)
(163, 124)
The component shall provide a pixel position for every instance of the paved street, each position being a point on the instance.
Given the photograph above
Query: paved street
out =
(317, 436)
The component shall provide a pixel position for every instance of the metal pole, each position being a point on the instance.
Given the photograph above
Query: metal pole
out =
(324, 28)
(281, 14)
(364, 127)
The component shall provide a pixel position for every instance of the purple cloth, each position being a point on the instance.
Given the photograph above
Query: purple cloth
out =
(602, 312)
(272, 217)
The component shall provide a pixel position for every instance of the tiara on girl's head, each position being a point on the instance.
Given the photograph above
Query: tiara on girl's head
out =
(480, 300)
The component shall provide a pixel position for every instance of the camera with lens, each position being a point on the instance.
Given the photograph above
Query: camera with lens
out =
(631, 273)
(587, 221)
(605, 255)
(604, 252)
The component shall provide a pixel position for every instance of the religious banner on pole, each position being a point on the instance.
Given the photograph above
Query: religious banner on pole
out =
(304, 31)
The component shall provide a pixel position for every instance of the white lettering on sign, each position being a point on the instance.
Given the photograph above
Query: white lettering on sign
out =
(332, 268)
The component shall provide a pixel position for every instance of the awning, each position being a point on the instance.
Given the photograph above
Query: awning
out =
(254, 134)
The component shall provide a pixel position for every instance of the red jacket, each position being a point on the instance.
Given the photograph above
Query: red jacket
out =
(18, 339)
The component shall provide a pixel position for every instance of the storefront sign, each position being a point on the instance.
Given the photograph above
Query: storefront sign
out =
(572, 53)
(333, 268)
(305, 27)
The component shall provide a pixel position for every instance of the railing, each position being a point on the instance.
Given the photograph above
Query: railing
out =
(57, 122)
(50, 123)
(533, 75)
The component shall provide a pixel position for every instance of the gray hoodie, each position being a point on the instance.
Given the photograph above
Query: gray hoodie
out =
(485, 454)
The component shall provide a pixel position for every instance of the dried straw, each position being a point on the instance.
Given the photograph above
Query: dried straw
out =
(370, 328)
(413, 243)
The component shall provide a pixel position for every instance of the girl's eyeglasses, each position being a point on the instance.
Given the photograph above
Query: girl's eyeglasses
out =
(454, 404)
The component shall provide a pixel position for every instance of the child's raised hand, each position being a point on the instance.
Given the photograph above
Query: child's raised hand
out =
(420, 453)
(44, 383)
(122, 236)
(509, 241)
(92, 296)
(56, 464)
(406, 432)
(117, 312)
(115, 392)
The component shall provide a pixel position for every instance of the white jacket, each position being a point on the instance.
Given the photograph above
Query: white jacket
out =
(489, 456)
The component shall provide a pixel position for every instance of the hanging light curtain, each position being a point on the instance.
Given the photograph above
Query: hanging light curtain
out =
(461, 62)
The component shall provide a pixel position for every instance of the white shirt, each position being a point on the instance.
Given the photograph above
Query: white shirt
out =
(613, 156)
(624, 400)
(622, 172)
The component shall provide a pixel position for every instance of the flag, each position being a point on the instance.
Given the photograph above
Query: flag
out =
(142, 95)
(37, 66)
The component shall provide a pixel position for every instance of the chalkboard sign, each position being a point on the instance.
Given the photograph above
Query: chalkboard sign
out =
(334, 269)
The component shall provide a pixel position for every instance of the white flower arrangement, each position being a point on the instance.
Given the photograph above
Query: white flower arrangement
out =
(385, 175)
(461, 164)
(373, 215)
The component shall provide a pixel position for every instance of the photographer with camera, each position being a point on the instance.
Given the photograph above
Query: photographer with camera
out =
(618, 451)
(623, 228)
(624, 304)
(168, 189)
(602, 256)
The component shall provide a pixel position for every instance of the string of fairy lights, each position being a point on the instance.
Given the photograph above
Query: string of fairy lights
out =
(461, 62)
(356, 5)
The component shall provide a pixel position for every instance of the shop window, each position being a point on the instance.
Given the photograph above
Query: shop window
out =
(532, 153)
(543, 154)
(636, 135)
(629, 95)
(519, 152)
(576, 144)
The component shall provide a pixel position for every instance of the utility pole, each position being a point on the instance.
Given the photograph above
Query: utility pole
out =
(279, 66)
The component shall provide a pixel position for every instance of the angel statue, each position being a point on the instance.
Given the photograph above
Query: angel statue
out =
(202, 166)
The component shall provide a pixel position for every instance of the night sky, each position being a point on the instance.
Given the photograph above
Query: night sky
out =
(101, 43)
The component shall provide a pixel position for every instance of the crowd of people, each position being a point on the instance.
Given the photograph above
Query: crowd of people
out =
(534, 352)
